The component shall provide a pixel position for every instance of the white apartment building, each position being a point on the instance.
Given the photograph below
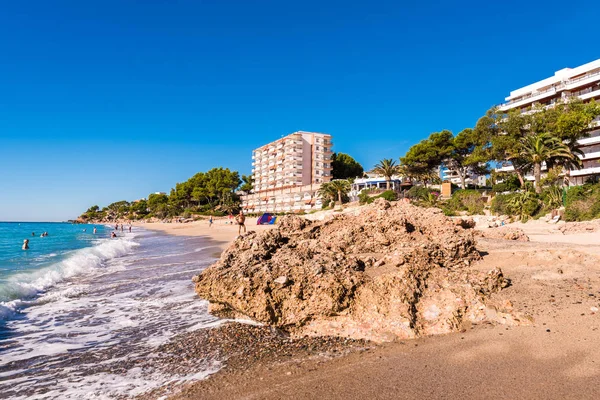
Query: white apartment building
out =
(288, 173)
(582, 82)
(451, 175)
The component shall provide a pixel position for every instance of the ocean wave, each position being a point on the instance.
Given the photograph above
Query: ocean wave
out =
(26, 286)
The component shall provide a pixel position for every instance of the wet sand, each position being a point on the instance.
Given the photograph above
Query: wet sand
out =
(555, 279)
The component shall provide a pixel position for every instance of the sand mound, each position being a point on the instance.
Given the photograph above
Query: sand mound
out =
(504, 232)
(392, 271)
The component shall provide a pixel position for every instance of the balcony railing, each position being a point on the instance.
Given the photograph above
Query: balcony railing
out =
(583, 77)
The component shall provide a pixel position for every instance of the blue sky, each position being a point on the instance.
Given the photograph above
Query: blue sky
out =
(108, 100)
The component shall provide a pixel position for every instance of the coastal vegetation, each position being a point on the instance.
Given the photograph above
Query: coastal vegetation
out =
(212, 192)
(539, 143)
(215, 192)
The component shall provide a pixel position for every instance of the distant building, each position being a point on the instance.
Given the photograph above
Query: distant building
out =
(288, 173)
(582, 82)
(160, 192)
(373, 182)
(452, 176)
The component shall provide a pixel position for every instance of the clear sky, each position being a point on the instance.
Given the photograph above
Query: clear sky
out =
(108, 100)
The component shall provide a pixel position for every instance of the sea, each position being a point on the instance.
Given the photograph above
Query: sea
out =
(82, 314)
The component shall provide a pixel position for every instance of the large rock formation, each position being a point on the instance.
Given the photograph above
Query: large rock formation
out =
(392, 271)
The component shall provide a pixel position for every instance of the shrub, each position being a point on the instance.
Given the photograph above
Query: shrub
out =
(418, 192)
(364, 198)
(466, 200)
(500, 204)
(389, 195)
(510, 184)
(582, 203)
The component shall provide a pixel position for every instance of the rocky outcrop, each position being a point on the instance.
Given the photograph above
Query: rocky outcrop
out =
(392, 271)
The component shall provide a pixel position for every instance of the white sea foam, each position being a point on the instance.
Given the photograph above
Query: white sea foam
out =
(80, 338)
(26, 286)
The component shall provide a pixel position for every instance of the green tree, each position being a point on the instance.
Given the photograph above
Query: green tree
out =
(247, 183)
(118, 209)
(139, 208)
(540, 148)
(466, 153)
(345, 167)
(340, 187)
(566, 121)
(422, 160)
(387, 168)
(157, 204)
(327, 192)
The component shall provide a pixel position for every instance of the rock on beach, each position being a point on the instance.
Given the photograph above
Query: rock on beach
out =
(393, 271)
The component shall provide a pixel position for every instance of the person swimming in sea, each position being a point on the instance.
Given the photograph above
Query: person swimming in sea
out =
(113, 235)
(26, 244)
(33, 234)
(95, 230)
(129, 228)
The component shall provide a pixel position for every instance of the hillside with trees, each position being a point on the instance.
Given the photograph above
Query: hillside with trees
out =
(212, 192)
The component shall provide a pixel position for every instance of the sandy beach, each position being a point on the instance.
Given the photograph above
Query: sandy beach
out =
(555, 278)
(222, 232)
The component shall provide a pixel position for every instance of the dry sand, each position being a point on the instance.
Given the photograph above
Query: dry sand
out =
(555, 278)
(223, 231)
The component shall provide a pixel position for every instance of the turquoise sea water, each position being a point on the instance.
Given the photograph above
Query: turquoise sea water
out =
(24, 274)
(84, 316)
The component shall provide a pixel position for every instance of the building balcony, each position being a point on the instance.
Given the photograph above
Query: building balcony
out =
(589, 93)
(590, 156)
(583, 80)
(530, 98)
(585, 171)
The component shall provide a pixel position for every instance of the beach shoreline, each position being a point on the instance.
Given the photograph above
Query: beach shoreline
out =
(554, 357)
(222, 232)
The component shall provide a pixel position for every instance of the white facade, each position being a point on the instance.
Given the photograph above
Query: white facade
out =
(373, 182)
(582, 82)
(452, 176)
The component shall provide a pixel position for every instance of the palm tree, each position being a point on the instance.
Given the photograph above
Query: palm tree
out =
(388, 168)
(340, 186)
(326, 191)
(541, 148)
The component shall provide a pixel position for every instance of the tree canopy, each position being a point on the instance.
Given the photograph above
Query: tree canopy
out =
(345, 167)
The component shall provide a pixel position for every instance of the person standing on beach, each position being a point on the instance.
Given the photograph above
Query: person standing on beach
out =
(121, 227)
(116, 227)
(129, 228)
(241, 220)
(210, 221)
(26, 244)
